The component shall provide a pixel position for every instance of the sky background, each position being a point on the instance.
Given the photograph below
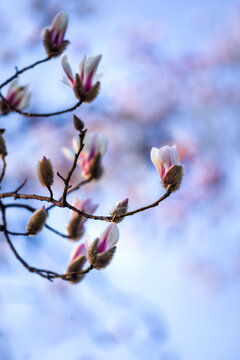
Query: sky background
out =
(170, 74)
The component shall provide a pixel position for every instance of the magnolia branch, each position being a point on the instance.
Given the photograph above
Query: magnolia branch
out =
(47, 274)
(18, 72)
(29, 114)
(69, 206)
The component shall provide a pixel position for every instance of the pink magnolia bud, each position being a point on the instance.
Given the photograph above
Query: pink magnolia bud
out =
(101, 251)
(17, 96)
(75, 228)
(165, 160)
(53, 36)
(119, 209)
(84, 84)
(77, 261)
(95, 145)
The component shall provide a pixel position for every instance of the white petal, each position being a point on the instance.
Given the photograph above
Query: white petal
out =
(13, 87)
(24, 102)
(165, 155)
(174, 154)
(65, 80)
(92, 64)
(101, 143)
(81, 67)
(60, 22)
(66, 67)
(68, 154)
(76, 144)
(113, 236)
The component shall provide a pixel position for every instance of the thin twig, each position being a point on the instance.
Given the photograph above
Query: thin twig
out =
(47, 274)
(56, 231)
(18, 72)
(29, 114)
(76, 187)
(21, 186)
(88, 216)
(68, 178)
(25, 206)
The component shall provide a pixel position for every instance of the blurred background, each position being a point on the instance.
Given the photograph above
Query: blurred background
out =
(171, 74)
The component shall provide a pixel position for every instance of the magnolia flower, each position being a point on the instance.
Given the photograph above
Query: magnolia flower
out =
(165, 160)
(84, 84)
(119, 209)
(76, 262)
(53, 36)
(17, 96)
(75, 228)
(101, 251)
(90, 157)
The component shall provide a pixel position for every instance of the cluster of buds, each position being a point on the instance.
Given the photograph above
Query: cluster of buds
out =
(165, 160)
(95, 146)
(53, 36)
(75, 228)
(84, 83)
(99, 253)
(17, 97)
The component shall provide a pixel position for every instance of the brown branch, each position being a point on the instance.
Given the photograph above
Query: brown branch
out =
(18, 72)
(27, 207)
(88, 216)
(21, 186)
(113, 218)
(29, 114)
(76, 187)
(23, 196)
(68, 178)
(56, 231)
(47, 274)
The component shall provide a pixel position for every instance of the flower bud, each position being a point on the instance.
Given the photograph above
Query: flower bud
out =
(100, 261)
(17, 96)
(53, 36)
(77, 261)
(75, 228)
(101, 251)
(37, 221)
(95, 169)
(84, 83)
(174, 177)
(78, 123)
(45, 172)
(119, 209)
(165, 160)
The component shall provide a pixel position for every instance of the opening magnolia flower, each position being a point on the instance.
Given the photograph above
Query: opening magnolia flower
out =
(90, 157)
(18, 96)
(53, 36)
(84, 84)
(76, 263)
(75, 228)
(101, 251)
(165, 160)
